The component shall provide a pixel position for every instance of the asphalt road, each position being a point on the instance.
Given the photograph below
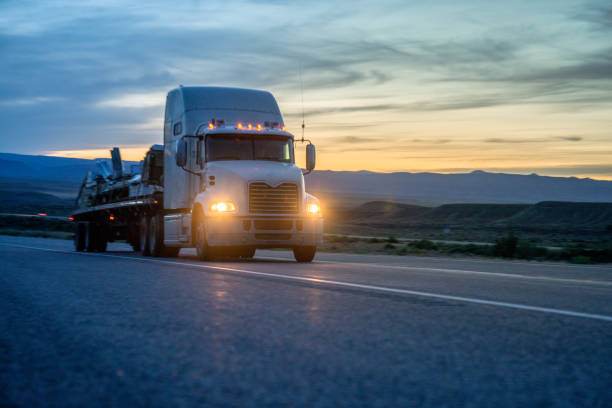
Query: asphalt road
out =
(117, 329)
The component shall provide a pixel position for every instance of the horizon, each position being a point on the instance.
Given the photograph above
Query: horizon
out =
(512, 88)
(352, 171)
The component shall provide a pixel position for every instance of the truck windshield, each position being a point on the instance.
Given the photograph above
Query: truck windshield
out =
(247, 147)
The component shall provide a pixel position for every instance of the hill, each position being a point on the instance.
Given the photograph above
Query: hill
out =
(62, 176)
(544, 215)
(564, 214)
(28, 202)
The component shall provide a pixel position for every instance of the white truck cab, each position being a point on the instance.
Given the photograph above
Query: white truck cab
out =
(230, 180)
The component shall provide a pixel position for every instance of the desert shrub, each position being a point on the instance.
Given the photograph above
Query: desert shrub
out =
(401, 251)
(579, 253)
(341, 239)
(580, 259)
(392, 240)
(506, 246)
(527, 250)
(423, 244)
(389, 245)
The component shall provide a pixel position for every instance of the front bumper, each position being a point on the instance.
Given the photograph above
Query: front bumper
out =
(264, 232)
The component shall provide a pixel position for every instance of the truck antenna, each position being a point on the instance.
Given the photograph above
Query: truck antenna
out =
(302, 95)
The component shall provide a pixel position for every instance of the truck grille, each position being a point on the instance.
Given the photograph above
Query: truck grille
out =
(264, 199)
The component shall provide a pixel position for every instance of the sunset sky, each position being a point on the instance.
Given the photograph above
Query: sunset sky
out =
(444, 86)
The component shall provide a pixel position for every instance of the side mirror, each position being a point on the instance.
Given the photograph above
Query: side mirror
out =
(311, 157)
(181, 152)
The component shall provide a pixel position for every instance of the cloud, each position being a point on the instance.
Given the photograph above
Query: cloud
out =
(347, 109)
(533, 140)
(356, 140)
(138, 100)
(570, 138)
(600, 17)
(28, 101)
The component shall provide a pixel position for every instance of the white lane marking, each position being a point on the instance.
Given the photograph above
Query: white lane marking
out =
(456, 271)
(384, 289)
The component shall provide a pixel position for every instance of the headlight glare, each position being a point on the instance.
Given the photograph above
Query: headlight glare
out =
(313, 209)
(222, 207)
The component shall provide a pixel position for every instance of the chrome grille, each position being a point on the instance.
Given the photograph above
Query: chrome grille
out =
(264, 199)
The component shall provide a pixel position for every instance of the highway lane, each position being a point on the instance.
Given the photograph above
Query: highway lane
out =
(116, 329)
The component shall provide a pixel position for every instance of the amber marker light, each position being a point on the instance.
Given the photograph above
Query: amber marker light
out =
(284, 128)
(111, 217)
(259, 126)
(211, 126)
(239, 125)
(249, 126)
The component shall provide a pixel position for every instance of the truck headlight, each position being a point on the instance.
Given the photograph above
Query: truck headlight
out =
(222, 207)
(313, 209)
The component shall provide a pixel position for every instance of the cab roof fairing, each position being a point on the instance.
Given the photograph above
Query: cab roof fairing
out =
(194, 105)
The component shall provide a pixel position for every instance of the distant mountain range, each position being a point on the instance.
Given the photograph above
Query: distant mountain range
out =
(45, 173)
(476, 187)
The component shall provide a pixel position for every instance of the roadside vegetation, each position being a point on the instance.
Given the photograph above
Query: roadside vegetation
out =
(508, 247)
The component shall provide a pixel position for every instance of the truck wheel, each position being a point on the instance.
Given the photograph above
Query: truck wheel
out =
(145, 247)
(171, 252)
(202, 248)
(134, 236)
(247, 253)
(79, 236)
(90, 236)
(304, 253)
(156, 235)
(102, 237)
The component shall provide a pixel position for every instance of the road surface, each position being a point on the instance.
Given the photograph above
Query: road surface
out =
(116, 329)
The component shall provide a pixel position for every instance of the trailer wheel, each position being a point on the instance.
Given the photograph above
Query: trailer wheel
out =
(102, 237)
(145, 247)
(304, 253)
(171, 252)
(134, 236)
(79, 236)
(90, 236)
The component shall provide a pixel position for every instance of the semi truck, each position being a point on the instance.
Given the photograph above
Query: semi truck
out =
(224, 182)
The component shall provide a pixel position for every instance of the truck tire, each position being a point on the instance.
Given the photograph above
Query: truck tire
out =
(79, 236)
(134, 236)
(90, 236)
(203, 250)
(247, 252)
(156, 236)
(102, 232)
(145, 247)
(171, 252)
(304, 253)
